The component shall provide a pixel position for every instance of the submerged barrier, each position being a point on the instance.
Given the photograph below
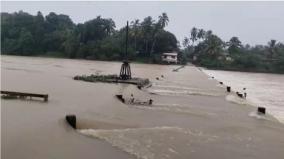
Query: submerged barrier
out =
(176, 70)
(228, 89)
(120, 97)
(239, 94)
(71, 120)
(10, 94)
(133, 101)
(261, 110)
(150, 101)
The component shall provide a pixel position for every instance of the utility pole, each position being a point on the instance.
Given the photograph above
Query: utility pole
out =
(125, 71)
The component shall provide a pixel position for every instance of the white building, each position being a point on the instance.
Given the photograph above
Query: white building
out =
(170, 57)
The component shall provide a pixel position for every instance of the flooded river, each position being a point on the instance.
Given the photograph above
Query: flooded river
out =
(192, 115)
(263, 89)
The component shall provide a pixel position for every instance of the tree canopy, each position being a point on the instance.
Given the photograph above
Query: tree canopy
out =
(58, 36)
(98, 38)
(206, 49)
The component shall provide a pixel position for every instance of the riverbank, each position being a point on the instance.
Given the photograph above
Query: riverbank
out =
(189, 118)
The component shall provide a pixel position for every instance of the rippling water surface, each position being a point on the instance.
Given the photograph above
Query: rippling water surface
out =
(190, 116)
(263, 89)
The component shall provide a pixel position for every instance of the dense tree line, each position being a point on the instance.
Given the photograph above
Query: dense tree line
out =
(57, 35)
(206, 49)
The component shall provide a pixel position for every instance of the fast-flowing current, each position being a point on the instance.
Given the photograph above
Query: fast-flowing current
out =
(192, 115)
(263, 89)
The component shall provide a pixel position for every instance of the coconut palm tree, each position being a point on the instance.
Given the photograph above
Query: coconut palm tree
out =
(135, 25)
(147, 29)
(163, 20)
(193, 35)
(201, 34)
(185, 42)
(160, 25)
(271, 48)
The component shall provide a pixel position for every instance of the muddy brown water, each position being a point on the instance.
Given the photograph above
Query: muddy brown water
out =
(191, 116)
(263, 89)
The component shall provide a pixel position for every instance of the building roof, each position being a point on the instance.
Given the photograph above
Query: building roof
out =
(170, 53)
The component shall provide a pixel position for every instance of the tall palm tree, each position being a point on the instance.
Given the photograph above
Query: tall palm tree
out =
(160, 25)
(201, 34)
(193, 35)
(271, 48)
(163, 20)
(147, 29)
(135, 25)
(185, 42)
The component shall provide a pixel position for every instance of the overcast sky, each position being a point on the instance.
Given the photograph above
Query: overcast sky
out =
(252, 22)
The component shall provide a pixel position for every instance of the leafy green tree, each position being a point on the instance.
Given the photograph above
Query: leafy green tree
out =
(214, 45)
(234, 45)
(96, 29)
(158, 27)
(58, 22)
(38, 32)
(70, 45)
(165, 42)
(147, 29)
(26, 42)
(135, 26)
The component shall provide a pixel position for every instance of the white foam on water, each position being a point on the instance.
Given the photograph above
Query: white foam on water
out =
(175, 108)
(182, 92)
(152, 143)
(237, 100)
(258, 116)
(176, 87)
(263, 89)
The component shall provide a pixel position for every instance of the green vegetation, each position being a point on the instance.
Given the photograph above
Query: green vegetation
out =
(97, 78)
(141, 82)
(56, 35)
(205, 49)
